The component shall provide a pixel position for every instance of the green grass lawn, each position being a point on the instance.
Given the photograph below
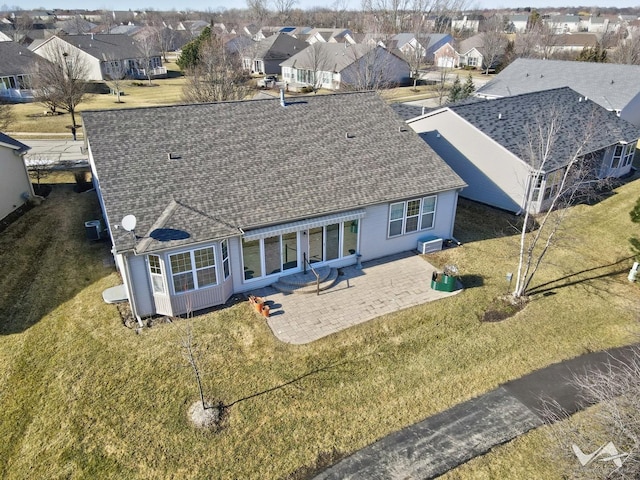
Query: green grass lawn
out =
(164, 91)
(82, 396)
(29, 117)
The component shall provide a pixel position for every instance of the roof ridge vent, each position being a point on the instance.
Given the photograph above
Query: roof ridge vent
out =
(174, 156)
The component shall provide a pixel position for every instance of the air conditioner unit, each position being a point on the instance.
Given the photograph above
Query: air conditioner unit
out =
(429, 244)
(93, 229)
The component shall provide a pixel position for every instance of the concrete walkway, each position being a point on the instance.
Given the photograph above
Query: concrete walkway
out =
(444, 441)
(382, 286)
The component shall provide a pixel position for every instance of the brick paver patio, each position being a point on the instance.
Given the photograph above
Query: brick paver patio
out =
(382, 286)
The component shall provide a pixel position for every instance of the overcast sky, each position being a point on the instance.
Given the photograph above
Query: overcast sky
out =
(221, 4)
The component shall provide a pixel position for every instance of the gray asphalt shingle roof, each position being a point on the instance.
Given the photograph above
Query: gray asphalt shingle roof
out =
(16, 59)
(610, 85)
(255, 163)
(279, 47)
(106, 46)
(507, 121)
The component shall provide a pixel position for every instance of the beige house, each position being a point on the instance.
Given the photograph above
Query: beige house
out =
(15, 185)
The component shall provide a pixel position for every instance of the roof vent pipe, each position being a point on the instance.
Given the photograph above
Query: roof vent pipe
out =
(282, 102)
(499, 116)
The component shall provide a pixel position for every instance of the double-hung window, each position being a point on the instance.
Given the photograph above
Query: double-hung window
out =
(412, 215)
(226, 271)
(155, 270)
(193, 269)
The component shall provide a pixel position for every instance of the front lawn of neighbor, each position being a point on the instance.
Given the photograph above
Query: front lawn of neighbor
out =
(83, 396)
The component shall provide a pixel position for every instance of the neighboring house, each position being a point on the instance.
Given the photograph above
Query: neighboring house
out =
(471, 52)
(326, 35)
(446, 56)
(573, 42)
(107, 54)
(15, 184)
(563, 23)
(266, 56)
(612, 86)
(238, 44)
(423, 46)
(74, 26)
(469, 23)
(334, 66)
(16, 65)
(518, 23)
(486, 141)
(254, 32)
(328, 179)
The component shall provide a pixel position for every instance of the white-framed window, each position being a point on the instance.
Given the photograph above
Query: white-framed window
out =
(536, 185)
(472, 61)
(623, 155)
(155, 271)
(193, 269)
(412, 215)
(226, 270)
(552, 183)
(271, 255)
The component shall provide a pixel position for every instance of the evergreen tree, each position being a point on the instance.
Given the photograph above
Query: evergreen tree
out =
(455, 93)
(190, 56)
(593, 54)
(468, 88)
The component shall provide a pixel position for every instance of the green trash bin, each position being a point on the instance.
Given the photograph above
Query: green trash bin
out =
(442, 282)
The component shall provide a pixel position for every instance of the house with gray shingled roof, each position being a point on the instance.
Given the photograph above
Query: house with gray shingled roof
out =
(106, 55)
(15, 184)
(16, 64)
(267, 54)
(337, 65)
(612, 86)
(225, 205)
(487, 143)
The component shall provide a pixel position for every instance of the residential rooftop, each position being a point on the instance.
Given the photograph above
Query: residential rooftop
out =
(214, 170)
(610, 85)
(579, 121)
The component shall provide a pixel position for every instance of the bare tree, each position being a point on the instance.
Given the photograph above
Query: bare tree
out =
(318, 63)
(627, 51)
(389, 13)
(556, 187)
(371, 68)
(494, 42)
(115, 75)
(606, 442)
(165, 38)
(283, 9)
(62, 81)
(6, 116)
(22, 25)
(218, 75)
(39, 168)
(442, 86)
(149, 49)
(259, 10)
(339, 7)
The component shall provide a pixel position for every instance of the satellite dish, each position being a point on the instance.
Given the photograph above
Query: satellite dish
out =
(129, 223)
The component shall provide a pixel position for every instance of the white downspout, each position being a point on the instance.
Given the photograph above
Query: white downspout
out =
(132, 302)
